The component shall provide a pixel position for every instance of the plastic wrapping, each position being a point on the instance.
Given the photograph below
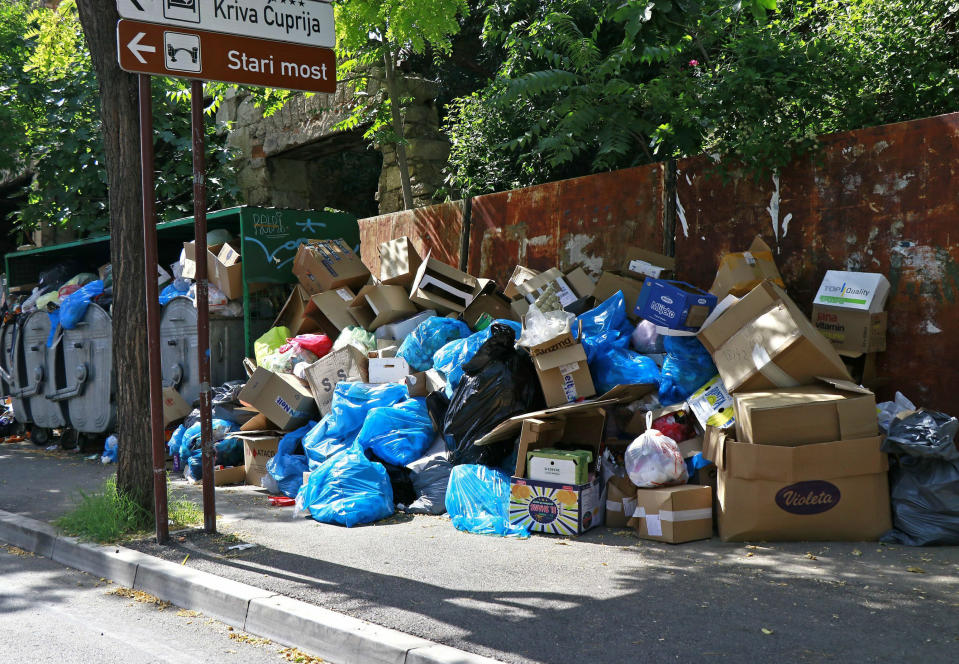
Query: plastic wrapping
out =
(499, 382)
(449, 359)
(317, 344)
(287, 466)
(427, 338)
(348, 410)
(646, 340)
(110, 450)
(347, 489)
(888, 410)
(654, 460)
(285, 361)
(539, 327)
(924, 479)
(357, 337)
(269, 342)
(688, 366)
(74, 306)
(172, 291)
(477, 500)
(613, 365)
(397, 434)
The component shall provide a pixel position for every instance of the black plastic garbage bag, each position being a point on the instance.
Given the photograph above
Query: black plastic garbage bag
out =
(498, 383)
(924, 479)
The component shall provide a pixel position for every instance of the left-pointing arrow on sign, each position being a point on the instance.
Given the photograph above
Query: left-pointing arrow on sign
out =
(137, 48)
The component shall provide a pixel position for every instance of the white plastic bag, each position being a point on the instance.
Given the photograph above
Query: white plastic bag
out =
(539, 327)
(888, 410)
(654, 460)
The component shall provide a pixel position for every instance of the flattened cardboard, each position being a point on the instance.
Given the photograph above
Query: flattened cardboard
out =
(322, 265)
(258, 448)
(375, 306)
(674, 514)
(640, 264)
(806, 415)
(443, 288)
(764, 341)
(610, 282)
(347, 364)
(281, 398)
(330, 311)
(581, 283)
(533, 287)
(229, 475)
(175, 407)
(399, 261)
(739, 273)
(826, 491)
(674, 304)
(520, 275)
(401, 329)
(293, 314)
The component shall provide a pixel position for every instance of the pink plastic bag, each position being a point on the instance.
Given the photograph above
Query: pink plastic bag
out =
(318, 344)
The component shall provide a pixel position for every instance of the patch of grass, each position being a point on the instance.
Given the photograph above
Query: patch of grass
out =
(184, 512)
(106, 516)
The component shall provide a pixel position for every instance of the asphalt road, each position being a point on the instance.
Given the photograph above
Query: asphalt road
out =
(605, 596)
(50, 613)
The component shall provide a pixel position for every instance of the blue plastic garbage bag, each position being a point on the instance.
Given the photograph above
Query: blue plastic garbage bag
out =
(477, 500)
(74, 306)
(228, 452)
(176, 439)
(614, 365)
(347, 489)
(110, 450)
(687, 367)
(54, 317)
(193, 468)
(191, 437)
(449, 359)
(348, 410)
(605, 326)
(694, 464)
(171, 291)
(289, 463)
(427, 338)
(398, 434)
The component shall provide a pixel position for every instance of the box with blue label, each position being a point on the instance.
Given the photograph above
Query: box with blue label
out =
(674, 304)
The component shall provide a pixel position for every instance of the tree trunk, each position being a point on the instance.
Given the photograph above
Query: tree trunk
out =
(121, 127)
(398, 129)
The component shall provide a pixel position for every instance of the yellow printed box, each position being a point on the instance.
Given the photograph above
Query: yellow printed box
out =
(554, 508)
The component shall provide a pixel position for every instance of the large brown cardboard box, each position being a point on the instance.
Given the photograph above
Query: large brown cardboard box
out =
(375, 306)
(834, 410)
(281, 398)
(175, 407)
(223, 266)
(825, 491)
(581, 283)
(533, 287)
(848, 310)
(330, 311)
(640, 264)
(739, 273)
(322, 265)
(293, 314)
(620, 501)
(674, 514)
(764, 341)
(258, 448)
(347, 364)
(399, 261)
(610, 282)
(443, 288)
(562, 370)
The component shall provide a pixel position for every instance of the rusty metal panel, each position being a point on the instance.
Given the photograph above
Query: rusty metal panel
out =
(884, 199)
(437, 228)
(585, 221)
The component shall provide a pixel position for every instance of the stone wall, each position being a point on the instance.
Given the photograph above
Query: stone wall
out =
(295, 159)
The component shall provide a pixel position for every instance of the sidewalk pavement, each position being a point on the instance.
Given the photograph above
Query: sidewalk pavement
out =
(605, 596)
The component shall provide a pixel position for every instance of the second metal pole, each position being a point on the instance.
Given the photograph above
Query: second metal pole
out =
(202, 304)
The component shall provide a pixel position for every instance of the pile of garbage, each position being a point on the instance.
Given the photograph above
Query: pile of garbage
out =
(555, 403)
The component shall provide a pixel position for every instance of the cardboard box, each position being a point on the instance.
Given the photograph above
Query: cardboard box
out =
(322, 265)
(443, 288)
(533, 287)
(764, 341)
(374, 306)
(387, 369)
(620, 501)
(581, 283)
(423, 383)
(640, 264)
(712, 405)
(835, 491)
(399, 330)
(520, 275)
(835, 410)
(562, 370)
(175, 407)
(281, 398)
(293, 314)
(258, 448)
(492, 304)
(741, 272)
(399, 261)
(559, 465)
(229, 475)
(674, 514)
(610, 282)
(848, 310)
(330, 311)
(674, 304)
(346, 364)
(553, 507)
(223, 266)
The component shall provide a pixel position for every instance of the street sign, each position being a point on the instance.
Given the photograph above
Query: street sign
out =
(306, 22)
(147, 48)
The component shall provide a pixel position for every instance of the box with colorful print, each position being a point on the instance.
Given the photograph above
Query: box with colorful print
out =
(674, 304)
(848, 310)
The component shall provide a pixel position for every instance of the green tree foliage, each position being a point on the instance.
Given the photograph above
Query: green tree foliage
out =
(587, 86)
(19, 107)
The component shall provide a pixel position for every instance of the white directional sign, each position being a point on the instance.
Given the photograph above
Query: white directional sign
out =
(307, 22)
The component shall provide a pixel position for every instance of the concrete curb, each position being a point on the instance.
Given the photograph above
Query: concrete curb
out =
(335, 637)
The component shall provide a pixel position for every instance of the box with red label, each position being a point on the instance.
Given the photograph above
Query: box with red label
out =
(835, 491)
(258, 448)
